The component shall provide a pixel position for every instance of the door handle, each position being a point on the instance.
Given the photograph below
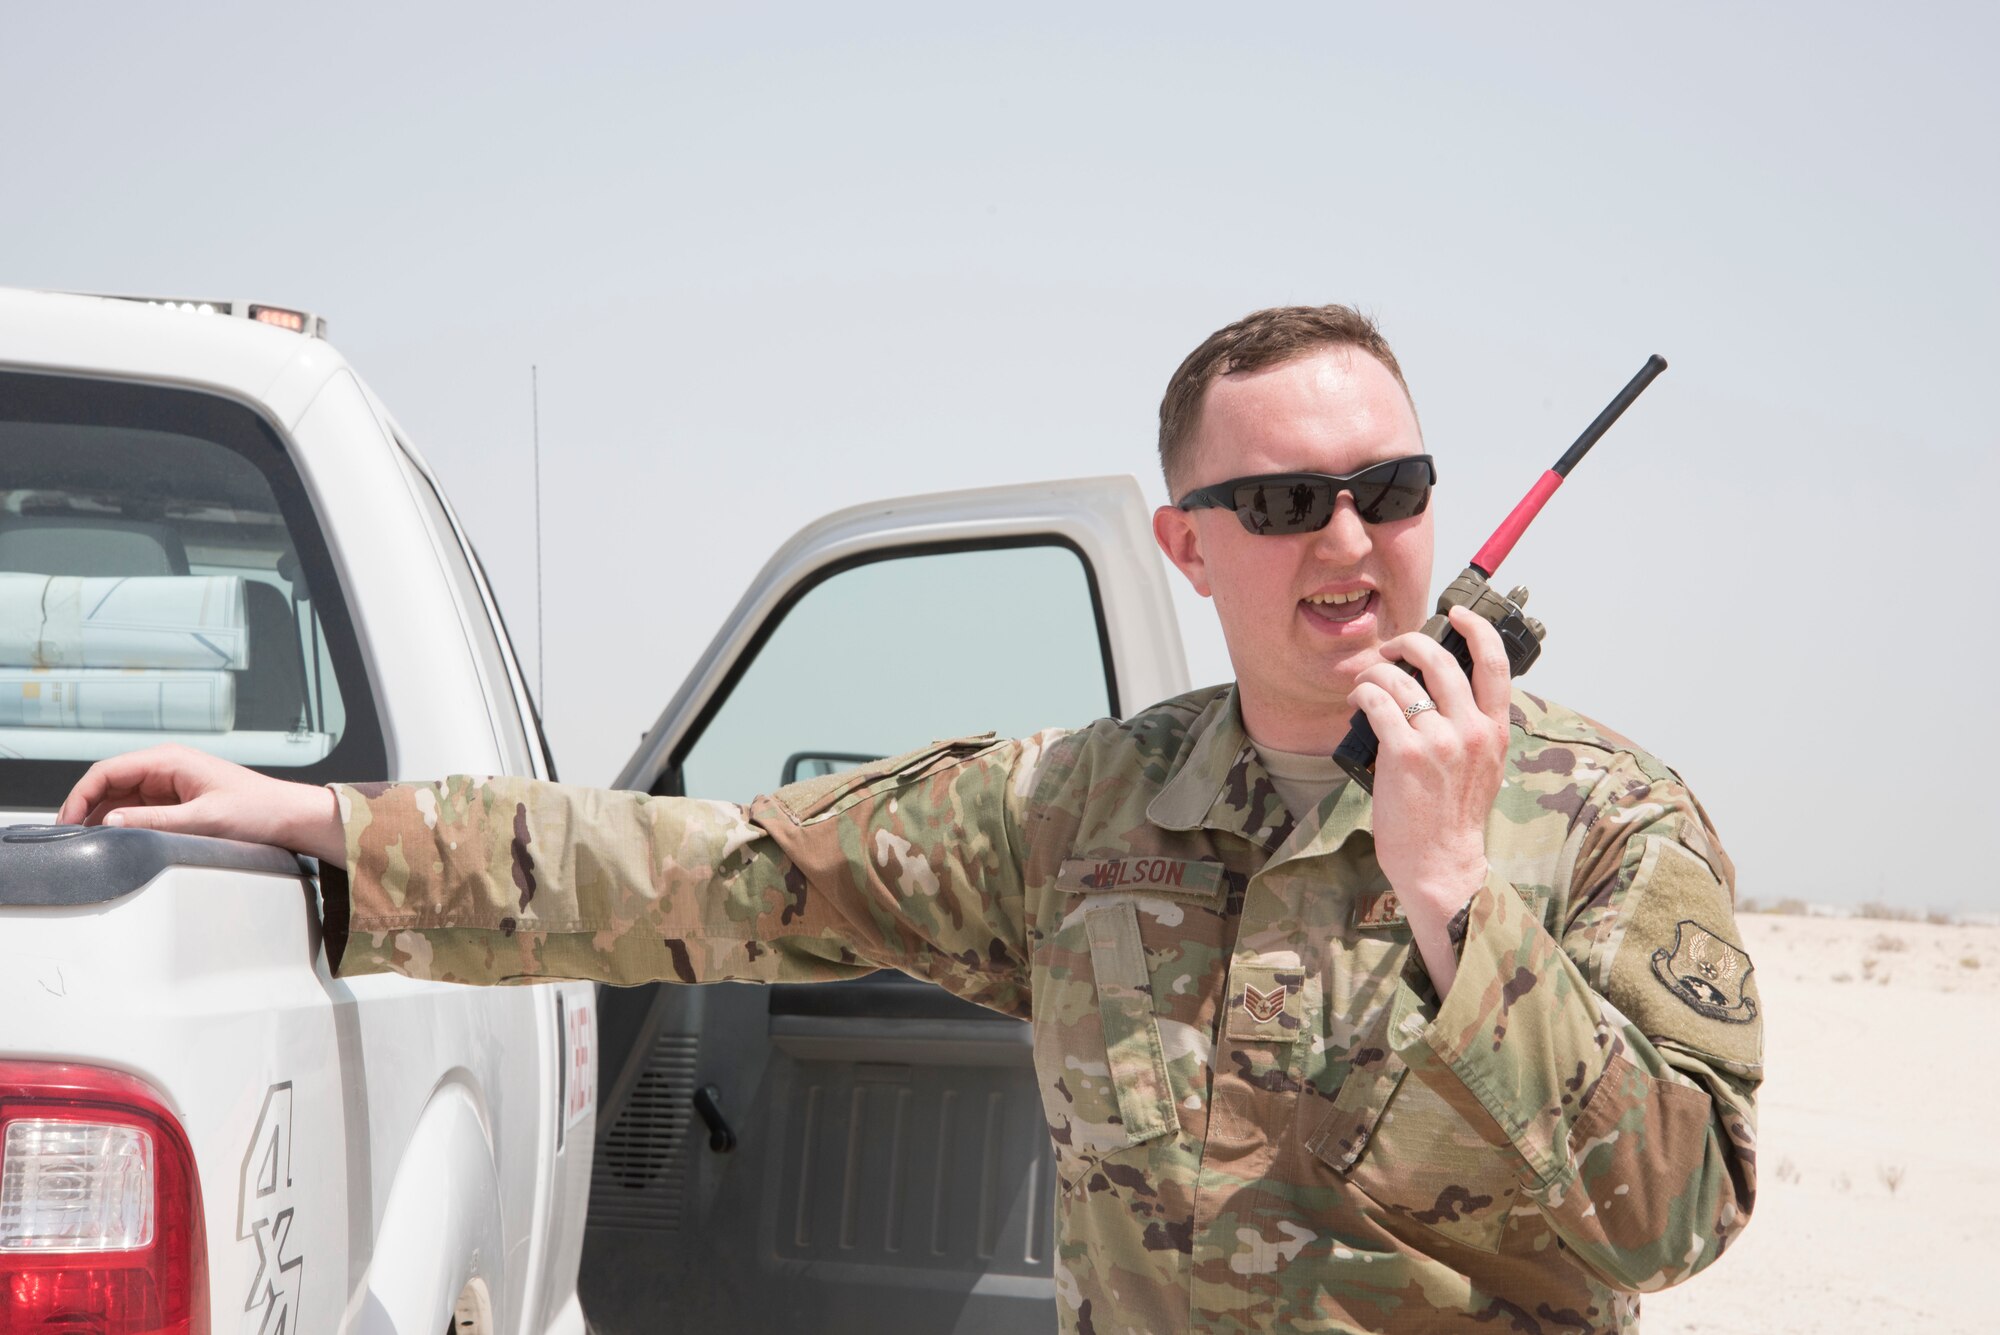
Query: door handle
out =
(708, 1102)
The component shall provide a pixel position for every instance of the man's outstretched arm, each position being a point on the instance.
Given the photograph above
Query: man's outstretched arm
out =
(909, 863)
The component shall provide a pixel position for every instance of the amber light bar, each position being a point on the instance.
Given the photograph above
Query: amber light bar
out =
(278, 317)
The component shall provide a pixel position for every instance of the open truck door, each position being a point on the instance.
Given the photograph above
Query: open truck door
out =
(867, 1155)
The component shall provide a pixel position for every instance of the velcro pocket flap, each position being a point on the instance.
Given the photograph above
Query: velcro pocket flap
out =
(1132, 1044)
(1117, 955)
(1183, 877)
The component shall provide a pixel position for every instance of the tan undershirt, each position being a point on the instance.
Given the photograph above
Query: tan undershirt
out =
(1302, 780)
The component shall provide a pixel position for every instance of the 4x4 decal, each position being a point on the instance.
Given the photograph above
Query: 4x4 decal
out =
(264, 1216)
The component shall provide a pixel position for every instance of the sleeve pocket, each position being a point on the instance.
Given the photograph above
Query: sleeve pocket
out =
(1401, 1145)
(1343, 1133)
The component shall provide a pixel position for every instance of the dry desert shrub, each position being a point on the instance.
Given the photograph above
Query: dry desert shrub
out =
(1891, 1175)
(1887, 911)
(1790, 908)
(1939, 918)
(1968, 961)
(1888, 944)
(1787, 1171)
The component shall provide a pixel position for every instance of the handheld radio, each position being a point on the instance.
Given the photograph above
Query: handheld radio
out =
(1521, 633)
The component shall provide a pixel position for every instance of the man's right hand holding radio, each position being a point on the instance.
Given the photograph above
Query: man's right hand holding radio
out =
(1443, 756)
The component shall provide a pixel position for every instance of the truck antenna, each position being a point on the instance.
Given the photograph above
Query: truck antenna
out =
(535, 399)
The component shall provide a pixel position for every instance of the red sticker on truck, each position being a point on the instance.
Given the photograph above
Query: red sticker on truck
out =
(580, 1080)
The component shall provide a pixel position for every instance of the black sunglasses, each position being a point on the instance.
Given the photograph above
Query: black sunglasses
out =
(1281, 503)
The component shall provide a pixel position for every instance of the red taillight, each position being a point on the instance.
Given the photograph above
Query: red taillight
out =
(83, 1249)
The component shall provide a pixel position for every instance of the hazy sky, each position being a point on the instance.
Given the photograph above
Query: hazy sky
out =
(854, 251)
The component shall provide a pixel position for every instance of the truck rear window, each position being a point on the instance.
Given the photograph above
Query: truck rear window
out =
(162, 579)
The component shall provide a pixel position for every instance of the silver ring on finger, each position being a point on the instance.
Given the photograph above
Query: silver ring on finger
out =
(1410, 712)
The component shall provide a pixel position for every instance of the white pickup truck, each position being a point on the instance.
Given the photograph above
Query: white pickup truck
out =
(212, 533)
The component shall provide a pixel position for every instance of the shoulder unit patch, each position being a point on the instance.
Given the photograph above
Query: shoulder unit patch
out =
(1706, 973)
(1675, 974)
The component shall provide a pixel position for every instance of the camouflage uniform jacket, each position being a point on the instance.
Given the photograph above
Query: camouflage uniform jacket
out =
(1263, 1117)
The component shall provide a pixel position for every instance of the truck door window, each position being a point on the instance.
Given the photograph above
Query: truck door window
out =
(162, 579)
(881, 656)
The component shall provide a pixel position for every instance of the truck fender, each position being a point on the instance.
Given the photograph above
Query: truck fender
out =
(441, 1226)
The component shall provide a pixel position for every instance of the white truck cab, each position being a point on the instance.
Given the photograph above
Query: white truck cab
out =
(212, 533)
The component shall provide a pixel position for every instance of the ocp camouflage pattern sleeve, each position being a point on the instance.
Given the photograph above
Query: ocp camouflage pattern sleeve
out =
(909, 863)
(1619, 1063)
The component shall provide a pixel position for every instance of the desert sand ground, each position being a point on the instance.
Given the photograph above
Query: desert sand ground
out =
(1878, 1202)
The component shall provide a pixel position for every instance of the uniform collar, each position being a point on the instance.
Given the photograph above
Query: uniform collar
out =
(1347, 810)
(1218, 783)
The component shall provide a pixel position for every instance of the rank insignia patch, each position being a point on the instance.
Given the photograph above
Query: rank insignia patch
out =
(1706, 974)
(1264, 1006)
(1266, 1003)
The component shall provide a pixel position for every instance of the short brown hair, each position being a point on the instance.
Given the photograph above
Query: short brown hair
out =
(1261, 338)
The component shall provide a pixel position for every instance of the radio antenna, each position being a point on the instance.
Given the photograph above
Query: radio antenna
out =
(1488, 558)
(535, 399)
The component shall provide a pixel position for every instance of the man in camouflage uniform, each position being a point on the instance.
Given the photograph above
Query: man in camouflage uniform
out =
(1477, 1053)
